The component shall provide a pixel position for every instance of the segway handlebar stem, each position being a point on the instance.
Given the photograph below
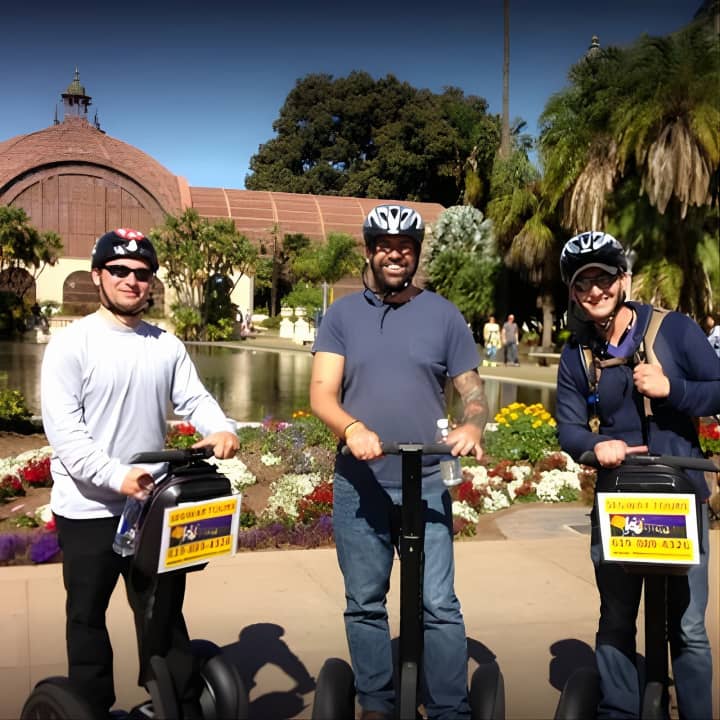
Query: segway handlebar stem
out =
(675, 461)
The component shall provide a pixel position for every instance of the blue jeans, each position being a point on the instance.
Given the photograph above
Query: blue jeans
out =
(510, 353)
(689, 644)
(365, 521)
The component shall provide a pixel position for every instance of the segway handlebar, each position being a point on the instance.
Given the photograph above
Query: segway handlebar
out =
(395, 448)
(675, 461)
(174, 457)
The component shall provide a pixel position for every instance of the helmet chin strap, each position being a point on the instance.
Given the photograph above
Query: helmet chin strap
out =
(116, 310)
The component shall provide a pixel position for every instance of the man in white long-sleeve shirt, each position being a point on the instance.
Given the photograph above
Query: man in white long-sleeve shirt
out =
(108, 381)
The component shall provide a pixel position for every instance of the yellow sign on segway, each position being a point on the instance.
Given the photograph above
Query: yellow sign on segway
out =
(655, 528)
(196, 532)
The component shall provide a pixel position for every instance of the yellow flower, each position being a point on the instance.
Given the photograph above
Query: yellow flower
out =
(514, 416)
(537, 423)
(545, 416)
(551, 422)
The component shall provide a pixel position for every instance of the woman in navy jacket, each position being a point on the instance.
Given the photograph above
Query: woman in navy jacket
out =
(605, 412)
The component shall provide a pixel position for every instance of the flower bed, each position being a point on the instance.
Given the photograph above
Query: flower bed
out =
(284, 471)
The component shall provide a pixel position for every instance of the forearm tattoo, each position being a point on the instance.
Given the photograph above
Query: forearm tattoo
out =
(472, 393)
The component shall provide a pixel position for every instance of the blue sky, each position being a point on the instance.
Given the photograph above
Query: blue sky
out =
(198, 85)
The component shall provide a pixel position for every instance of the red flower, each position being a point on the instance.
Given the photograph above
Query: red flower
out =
(50, 525)
(185, 428)
(37, 473)
(317, 503)
(467, 492)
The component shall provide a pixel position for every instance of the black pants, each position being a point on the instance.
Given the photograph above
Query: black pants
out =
(91, 569)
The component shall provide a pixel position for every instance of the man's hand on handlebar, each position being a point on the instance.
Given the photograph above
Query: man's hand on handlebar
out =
(224, 444)
(137, 483)
(466, 440)
(364, 444)
(610, 453)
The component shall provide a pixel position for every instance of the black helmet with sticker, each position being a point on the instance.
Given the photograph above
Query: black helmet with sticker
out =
(123, 243)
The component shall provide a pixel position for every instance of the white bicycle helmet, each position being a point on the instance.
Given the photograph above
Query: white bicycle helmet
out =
(393, 220)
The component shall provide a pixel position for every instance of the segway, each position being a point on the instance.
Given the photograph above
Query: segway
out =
(190, 517)
(335, 689)
(644, 486)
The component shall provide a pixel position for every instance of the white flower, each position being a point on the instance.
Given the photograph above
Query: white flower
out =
(498, 499)
(235, 471)
(553, 481)
(479, 475)
(269, 459)
(512, 487)
(462, 510)
(38, 454)
(520, 472)
(288, 490)
(43, 514)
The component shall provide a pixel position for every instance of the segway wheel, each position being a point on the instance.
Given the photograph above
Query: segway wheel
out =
(223, 694)
(334, 692)
(55, 699)
(487, 693)
(580, 697)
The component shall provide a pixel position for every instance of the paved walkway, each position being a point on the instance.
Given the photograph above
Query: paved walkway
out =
(529, 601)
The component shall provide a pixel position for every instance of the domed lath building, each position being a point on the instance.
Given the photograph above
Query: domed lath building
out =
(78, 181)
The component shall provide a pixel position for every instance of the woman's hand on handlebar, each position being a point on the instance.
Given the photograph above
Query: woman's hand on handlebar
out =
(364, 444)
(224, 444)
(137, 483)
(466, 440)
(610, 453)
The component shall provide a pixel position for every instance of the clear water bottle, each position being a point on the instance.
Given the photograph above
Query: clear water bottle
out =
(124, 542)
(450, 469)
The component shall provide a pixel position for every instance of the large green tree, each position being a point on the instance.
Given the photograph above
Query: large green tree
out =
(203, 260)
(363, 137)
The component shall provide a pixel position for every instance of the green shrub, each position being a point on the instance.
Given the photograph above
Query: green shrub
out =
(14, 414)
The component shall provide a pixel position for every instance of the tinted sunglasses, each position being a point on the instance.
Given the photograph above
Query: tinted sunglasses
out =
(603, 281)
(122, 271)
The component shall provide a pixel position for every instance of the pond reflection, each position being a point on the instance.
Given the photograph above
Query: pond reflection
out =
(249, 384)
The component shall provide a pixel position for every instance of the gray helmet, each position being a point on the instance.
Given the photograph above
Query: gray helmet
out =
(123, 243)
(393, 220)
(591, 249)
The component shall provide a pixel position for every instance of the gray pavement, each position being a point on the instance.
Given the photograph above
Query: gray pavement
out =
(529, 601)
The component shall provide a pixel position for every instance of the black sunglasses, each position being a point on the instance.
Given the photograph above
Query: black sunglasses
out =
(603, 281)
(122, 271)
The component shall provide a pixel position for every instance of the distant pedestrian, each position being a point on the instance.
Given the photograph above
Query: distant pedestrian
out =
(491, 340)
(510, 335)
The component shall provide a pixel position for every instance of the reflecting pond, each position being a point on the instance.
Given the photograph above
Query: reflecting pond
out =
(249, 384)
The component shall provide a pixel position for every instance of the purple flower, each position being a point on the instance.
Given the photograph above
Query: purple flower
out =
(8, 547)
(44, 548)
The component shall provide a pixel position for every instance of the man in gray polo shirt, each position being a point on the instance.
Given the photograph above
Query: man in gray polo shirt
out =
(382, 358)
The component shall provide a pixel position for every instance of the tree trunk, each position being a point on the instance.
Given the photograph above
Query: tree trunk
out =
(505, 132)
(548, 309)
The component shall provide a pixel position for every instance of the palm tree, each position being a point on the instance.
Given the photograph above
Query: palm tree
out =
(633, 146)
